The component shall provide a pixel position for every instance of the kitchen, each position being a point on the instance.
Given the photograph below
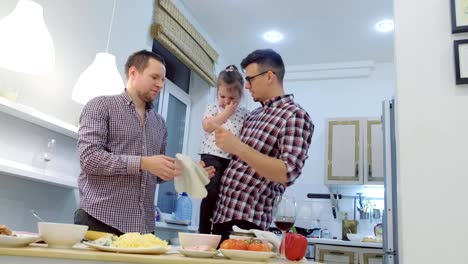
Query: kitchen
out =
(27, 142)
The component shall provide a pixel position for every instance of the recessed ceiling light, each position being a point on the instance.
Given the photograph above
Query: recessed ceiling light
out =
(273, 36)
(385, 25)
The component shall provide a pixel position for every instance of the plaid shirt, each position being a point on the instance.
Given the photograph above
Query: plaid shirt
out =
(112, 140)
(279, 129)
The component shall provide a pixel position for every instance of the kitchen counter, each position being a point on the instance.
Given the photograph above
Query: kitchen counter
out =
(82, 254)
(343, 243)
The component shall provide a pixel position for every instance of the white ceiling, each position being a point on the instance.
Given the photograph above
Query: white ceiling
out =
(316, 31)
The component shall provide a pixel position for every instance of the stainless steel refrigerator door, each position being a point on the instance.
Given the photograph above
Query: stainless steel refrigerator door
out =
(390, 217)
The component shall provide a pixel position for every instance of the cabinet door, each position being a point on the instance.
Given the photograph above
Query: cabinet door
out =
(371, 258)
(343, 152)
(329, 255)
(373, 152)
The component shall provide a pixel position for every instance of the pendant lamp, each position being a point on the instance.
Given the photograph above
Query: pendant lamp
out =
(101, 77)
(26, 45)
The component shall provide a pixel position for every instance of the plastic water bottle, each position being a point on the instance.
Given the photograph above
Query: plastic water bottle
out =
(183, 207)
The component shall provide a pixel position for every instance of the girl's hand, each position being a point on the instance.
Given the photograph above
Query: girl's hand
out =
(231, 107)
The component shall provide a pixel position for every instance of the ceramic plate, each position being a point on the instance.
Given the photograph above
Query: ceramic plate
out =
(247, 255)
(20, 240)
(150, 250)
(198, 253)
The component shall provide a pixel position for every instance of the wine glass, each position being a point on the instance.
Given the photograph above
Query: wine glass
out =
(284, 216)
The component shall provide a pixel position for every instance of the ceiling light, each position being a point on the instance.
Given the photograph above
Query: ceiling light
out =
(385, 25)
(273, 36)
(26, 44)
(101, 77)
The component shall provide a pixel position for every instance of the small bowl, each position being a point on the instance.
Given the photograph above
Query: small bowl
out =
(58, 235)
(193, 239)
(355, 237)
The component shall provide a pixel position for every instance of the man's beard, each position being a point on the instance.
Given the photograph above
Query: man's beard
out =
(147, 98)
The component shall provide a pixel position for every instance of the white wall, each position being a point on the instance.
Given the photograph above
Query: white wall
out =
(79, 29)
(432, 133)
(23, 142)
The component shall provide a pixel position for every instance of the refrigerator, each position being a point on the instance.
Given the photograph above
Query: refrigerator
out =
(390, 217)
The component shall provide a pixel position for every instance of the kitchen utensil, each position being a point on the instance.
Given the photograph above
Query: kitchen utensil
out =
(37, 216)
(376, 214)
(332, 201)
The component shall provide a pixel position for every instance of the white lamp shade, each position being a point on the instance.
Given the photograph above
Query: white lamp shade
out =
(26, 45)
(100, 78)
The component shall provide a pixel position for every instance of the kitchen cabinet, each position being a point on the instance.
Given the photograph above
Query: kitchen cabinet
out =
(348, 255)
(335, 254)
(354, 151)
(371, 256)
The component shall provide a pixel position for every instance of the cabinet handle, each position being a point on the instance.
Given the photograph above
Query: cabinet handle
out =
(370, 171)
(356, 171)
(336, 253)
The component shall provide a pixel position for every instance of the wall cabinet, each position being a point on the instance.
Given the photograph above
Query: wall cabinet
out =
(354, 151)
(348, 255)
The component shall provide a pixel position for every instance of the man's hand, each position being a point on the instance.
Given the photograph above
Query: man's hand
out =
(160, 165)
(210, 169)
(226, 140)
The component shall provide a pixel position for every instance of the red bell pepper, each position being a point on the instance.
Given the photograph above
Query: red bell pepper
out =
(296, 246)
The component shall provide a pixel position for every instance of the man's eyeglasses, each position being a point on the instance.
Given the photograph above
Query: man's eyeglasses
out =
(250, 78)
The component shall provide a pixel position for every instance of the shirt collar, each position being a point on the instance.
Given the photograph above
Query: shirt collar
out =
(278, 101)
(128, 100)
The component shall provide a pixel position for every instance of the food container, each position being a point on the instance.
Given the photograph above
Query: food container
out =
(348, 226)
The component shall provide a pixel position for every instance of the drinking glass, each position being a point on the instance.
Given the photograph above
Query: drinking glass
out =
(50, 150)
(284, 216)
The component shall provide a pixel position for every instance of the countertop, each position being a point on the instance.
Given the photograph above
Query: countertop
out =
(82, 252)
(343, 243)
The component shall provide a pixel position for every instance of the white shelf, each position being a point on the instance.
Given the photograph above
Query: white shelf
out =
(164, 225)
(25, 171)
(33, 116)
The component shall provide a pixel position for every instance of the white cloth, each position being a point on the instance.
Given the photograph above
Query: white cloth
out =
(260, 234)
(192, 179)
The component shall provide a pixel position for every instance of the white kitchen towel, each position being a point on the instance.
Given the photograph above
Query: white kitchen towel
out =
(192, 179)
(260, 234)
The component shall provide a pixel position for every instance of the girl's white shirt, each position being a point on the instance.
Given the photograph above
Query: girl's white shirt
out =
(233, 124)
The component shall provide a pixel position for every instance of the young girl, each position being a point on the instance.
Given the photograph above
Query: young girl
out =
(225, 113)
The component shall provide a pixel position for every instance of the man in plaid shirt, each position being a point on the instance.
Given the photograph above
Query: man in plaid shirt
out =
(122, 142)
(269, 154)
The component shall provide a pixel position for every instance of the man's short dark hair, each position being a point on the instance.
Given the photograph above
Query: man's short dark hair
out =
(267, 59)
(140, 60)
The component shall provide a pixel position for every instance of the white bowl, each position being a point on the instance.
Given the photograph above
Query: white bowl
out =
(193, 239)
(355, 237)
(58, 235)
